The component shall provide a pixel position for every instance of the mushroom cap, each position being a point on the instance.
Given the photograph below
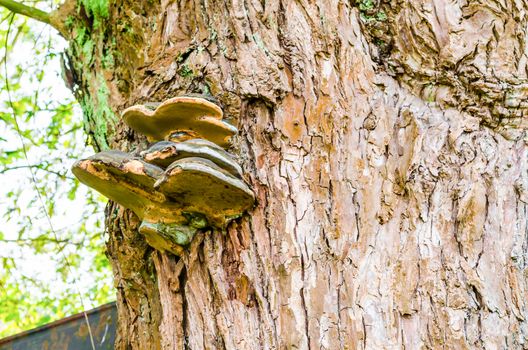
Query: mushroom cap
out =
(129, 181)
(201, 186)
(164, 153)
(193, 115)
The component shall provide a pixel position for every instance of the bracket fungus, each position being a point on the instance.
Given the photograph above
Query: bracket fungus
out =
(164, 153)
(175, 188)
(179, 119)
(204, 187)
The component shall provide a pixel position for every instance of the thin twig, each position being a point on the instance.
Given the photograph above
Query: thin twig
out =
(30, 241)
(39, 167)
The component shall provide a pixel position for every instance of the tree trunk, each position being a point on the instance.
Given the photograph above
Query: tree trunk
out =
(385, 142)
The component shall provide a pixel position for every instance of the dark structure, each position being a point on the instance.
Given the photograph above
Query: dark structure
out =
(70, 333)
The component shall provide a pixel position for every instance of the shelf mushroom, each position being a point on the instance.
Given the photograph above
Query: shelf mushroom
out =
(184, 182)
(203, 187)
(129, 181)
(179, 119)
(123, 179)
(164, 153)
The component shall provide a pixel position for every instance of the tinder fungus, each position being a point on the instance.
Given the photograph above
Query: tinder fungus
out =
(203, 187)
(184, 182)
(181, 118)
(164, 153)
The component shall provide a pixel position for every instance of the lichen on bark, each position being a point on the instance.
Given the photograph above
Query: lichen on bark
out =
(90, 62)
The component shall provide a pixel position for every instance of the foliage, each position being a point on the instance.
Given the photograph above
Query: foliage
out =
(45, 272)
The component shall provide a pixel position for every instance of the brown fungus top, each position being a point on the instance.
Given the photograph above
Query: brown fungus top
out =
(203, 187)
(181, 118)
(129, 181)
(164, 153)
(190, 184)
(184, 182)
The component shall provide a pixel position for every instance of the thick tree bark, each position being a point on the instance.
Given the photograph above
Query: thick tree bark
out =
(389, 160)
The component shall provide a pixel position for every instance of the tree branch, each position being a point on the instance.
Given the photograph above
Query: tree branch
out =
(28, 11)
(35, 13)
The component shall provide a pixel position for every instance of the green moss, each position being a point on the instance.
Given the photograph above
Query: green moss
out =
(86, 45)
(107, 59)
(381, 16)
(195, 220)
(185, 71)
(70, 20)
(90, 47)
(98, 116)
(127, 29)
(368, 11)
(87, 50)
(80, 35)
(366, 5)
(97, 9)
(379, 42)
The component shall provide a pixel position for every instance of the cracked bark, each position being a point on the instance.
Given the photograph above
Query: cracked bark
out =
(389, 161)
